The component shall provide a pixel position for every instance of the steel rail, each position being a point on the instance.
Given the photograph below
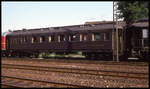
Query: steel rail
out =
(79, 71)
(41, 81)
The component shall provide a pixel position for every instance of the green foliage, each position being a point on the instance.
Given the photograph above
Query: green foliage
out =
(133, 10)
(77, 55)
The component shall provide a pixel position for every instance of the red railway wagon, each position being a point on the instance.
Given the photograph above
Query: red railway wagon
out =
(3, 43)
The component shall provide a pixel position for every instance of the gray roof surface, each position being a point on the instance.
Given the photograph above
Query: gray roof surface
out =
(82, 27)
(64, 29)
(141, 24)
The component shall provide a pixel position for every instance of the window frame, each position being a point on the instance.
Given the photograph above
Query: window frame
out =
(107, 34)
(33, 39)
(83, 37)
(72, 37)
(51, 38)
(42, 39)
(94, 38)
(61, 38)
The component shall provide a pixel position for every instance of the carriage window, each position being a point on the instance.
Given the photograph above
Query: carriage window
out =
(145, 33)
(17, 40)
(96, 36)
(51, 38)
(25, 39)
(42, 39)
(145, 42)
(72, 37)
(106, 36)
(21, 40)
(13, 40)
(138, 43)
(61, 38)
(33, 39)
(83, 37)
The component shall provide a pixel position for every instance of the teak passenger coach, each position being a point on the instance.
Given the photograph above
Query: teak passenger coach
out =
(94, 40)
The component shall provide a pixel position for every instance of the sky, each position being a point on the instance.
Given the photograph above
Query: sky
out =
(18, 15)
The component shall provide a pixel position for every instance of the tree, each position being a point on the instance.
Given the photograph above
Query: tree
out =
(133, 10)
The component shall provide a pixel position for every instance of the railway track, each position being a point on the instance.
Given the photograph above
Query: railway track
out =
(16, 82)
(79, 71)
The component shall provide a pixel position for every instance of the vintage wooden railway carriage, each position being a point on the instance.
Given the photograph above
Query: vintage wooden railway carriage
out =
(137, 42)
(95, 40)
(92, 39)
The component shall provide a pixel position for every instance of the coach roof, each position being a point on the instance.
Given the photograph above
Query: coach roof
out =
(99, 26)
(143, 23)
